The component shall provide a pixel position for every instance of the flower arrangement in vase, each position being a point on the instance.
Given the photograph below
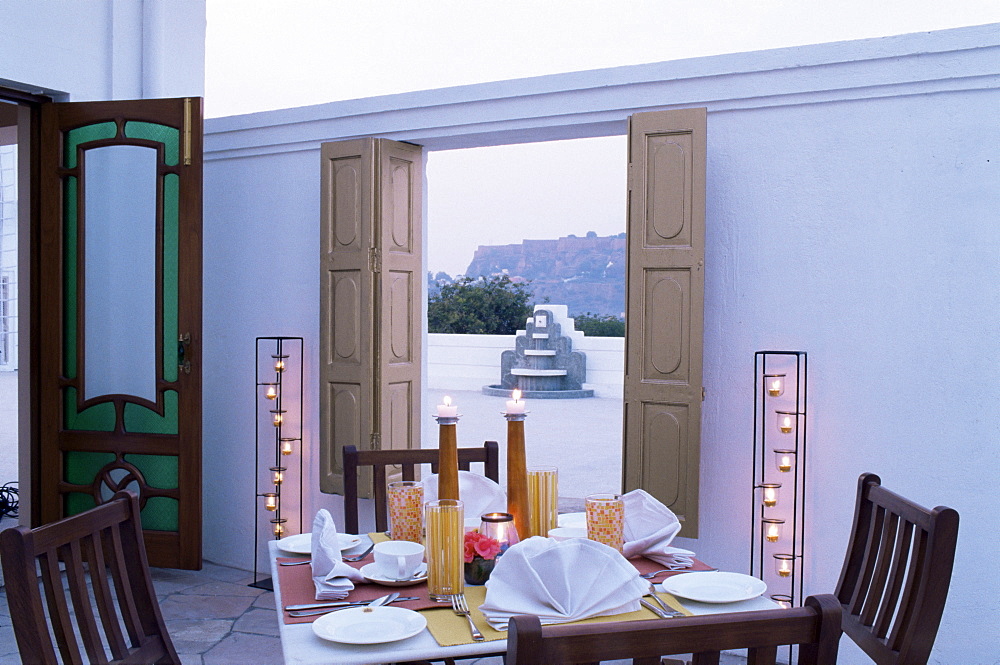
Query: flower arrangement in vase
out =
(481, 554)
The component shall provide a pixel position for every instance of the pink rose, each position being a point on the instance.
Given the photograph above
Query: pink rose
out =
(487, 548)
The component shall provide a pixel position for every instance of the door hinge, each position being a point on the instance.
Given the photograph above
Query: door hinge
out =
(375, 259)
(703, 393)
(183, 349)
(187, 131)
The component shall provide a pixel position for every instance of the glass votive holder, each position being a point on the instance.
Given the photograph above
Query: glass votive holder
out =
(278, 527)
(279, 362)
(784, 459)
(278, 417)
(406, 503)
(445, 547)
(286, 445)
(606, 519)
(543, 500)
(784, 564)
(775, 384)
(270, 501)
(772, 529)
(500, 527)
(277, 474)
(272, 391)
(786, 421)
(770, 494)
(783, 600)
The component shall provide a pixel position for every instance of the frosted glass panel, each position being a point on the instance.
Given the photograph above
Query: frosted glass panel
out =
(119, 270)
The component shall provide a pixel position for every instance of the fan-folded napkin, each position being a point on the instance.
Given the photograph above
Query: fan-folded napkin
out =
(479, 494)
(649, 528)
(334, 579)
(560, 581)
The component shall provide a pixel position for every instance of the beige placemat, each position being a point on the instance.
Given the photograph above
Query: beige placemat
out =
(450, 629)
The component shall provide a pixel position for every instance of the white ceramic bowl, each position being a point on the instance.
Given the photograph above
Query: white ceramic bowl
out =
(567, 532)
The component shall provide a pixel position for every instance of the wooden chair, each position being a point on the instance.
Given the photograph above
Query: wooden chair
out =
(127, 627)
(815, 627)
(489, 455)
(896, 574)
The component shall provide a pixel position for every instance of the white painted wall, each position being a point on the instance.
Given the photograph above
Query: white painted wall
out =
(469, 362)
(853, 191)
(104, 49)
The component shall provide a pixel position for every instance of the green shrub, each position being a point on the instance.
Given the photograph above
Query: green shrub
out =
(596, 325)
(479, 306)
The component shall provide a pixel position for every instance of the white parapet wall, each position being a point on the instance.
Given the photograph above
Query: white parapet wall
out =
(469, 362)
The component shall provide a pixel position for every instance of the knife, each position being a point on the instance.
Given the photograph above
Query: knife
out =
(654, 609)
(382, 600)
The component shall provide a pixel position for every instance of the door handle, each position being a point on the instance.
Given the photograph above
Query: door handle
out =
(183, 349)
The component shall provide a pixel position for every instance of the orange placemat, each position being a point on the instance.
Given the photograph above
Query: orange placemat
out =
(644, 565)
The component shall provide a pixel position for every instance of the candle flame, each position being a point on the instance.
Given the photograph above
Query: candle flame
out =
(447, 400)
(516, 395)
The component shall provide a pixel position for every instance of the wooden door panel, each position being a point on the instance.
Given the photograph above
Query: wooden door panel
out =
(663, 358)
(370, 300)
(119, 411)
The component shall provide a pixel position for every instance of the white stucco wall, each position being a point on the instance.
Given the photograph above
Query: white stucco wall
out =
(104, 49)
(852, 213)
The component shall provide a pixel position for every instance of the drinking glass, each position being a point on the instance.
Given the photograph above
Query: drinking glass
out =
(445, 548)
(543, 499)
(606, 519)
(406, 500)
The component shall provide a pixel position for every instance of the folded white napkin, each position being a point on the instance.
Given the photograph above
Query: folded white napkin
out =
(560, 581)
(479, 494)
(649, 528)
(334, 579)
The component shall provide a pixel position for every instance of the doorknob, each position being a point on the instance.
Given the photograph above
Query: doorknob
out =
(183, 344)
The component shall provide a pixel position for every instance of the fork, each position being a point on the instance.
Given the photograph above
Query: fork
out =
(671, 612)
(649, 576)
(459, 604)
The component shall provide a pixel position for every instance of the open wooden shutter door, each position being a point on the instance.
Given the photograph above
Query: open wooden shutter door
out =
(370, 311)
(665, 320)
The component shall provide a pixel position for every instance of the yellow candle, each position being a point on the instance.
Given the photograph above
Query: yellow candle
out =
(272, 392)
(770, 497)
(772, 533)
(286, 447)
(775, 388)
(784, 571)
(271, 501)
(786, 464)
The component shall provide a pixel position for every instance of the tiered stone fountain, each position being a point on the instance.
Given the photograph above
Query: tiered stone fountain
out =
(543, 364)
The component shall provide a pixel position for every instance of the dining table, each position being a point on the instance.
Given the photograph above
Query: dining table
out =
(301, 646)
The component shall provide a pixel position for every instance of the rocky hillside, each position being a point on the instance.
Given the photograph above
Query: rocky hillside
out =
(585, 274)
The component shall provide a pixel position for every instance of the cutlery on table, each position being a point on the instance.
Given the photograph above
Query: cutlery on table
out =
(359, 557)
(655, 610)
(294, 563)
(649, 576)
(461, 606)
(333, 607)
(668, 610)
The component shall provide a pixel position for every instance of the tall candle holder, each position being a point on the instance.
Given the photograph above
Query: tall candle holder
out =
(447, 420)
(779, 460)
(517, 472)
(278, 418)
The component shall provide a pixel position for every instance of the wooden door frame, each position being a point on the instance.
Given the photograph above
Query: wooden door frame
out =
(33, 102)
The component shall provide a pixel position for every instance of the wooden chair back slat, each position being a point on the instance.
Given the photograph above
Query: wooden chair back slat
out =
(816, 627)
(895, 583)
(103, 597)
(98, 548)
(762, 656)
(488, 455)
(85, 620)
(896, 574)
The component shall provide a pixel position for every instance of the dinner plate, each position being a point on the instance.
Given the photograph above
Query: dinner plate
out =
(372, 575)
(301, 543)
(714, 587)
(369, 625)
(573, 520)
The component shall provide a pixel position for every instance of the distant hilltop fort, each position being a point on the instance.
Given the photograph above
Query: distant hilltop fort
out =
(586, 274)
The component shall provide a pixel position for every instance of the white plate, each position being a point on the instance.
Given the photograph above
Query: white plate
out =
(301, 543)
(369, 625)
(714, 587)
(371, 574)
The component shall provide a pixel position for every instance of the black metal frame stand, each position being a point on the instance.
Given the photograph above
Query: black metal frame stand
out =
(279, 360)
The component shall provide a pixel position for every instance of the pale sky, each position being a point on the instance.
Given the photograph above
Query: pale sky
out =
(271, 54)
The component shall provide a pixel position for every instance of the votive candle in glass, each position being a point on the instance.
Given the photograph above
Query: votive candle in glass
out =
(783, 564)
(783, 459)
(786, 421)
(784, 600)
(445, 544)
(770, 497)
(606, 519)
(772, 529)
(271, 501)
(775, 384)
